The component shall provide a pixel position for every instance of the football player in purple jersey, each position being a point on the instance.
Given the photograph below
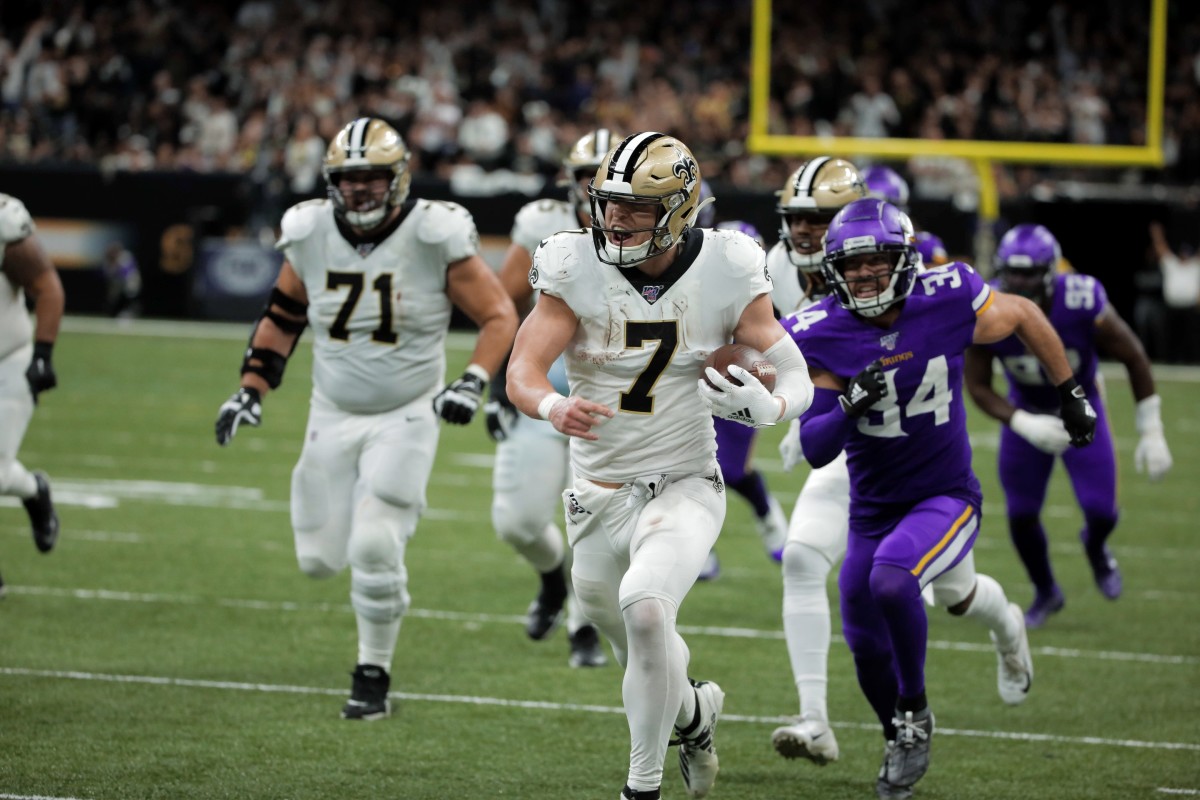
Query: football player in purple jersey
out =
(886, 184)
(885, 351)
(1034, 437)
(932, 250)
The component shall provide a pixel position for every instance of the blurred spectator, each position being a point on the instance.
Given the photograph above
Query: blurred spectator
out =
(303, 157)
(466, 84)
(1181, 293)
(124, 281)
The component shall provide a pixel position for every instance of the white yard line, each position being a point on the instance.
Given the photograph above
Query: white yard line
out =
(510, 619)
(542, 705)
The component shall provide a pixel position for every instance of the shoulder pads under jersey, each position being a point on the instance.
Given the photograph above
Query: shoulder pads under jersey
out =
(301, 220)
(740, 255)
(539, 220)
(557, 259)
(15, 222)
(440, 219)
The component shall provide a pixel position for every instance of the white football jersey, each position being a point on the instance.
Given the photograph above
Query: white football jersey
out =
(15, 328)
(536, 221)
(379, 320)
(787, 292)
(540, 220)
(640, 351)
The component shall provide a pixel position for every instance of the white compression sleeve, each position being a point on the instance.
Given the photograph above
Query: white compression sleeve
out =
(792, 382)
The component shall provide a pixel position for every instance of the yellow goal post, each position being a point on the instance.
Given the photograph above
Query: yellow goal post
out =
(980, 153)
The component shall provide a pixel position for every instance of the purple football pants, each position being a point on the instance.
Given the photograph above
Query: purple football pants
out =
(889, 558)
(1025, 476)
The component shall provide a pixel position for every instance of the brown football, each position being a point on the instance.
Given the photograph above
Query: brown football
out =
(745, 357)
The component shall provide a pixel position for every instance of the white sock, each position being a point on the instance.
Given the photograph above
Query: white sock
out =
(17, 481)
(655, 688)
(990, 607)
(377, 642)
(806, 625)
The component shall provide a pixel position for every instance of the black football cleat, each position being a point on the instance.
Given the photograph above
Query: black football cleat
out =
(368, 694)
(586, 649)
(42, 516)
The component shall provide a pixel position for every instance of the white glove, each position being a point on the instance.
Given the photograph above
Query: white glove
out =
(1152, 455)
(750, 404)
(790, 448)
(1043, 431)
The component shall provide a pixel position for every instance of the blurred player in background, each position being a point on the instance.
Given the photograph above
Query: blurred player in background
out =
(735, 445)
(932, 250)
(816, 537)
(375, 274)
(886, 184)
(887, 365)
(1033, 436)
(25, 367)
(637, 304)
(533, 466)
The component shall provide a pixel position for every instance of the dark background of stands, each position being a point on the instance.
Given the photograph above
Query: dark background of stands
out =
(1101, 238)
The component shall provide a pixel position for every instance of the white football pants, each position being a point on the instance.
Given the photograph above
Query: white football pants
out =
(16, 410)
(532, 470)
(357, 493)
(634, 562)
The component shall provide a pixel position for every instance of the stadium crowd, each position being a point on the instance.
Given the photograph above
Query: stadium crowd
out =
(259, 87)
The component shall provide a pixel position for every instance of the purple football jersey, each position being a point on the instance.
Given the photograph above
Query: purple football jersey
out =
(1075, 303)
(912, 444)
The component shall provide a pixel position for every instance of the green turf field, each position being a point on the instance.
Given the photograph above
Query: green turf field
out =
(170, 648)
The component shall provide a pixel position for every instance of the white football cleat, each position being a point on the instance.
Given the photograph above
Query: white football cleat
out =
(1014, 667)
(806, 738)
(697, 754)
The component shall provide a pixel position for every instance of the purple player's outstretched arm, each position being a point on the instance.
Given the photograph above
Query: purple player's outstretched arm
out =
(824, 428)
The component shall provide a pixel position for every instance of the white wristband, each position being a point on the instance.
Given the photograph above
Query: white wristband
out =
(478, 372)
(548, 403)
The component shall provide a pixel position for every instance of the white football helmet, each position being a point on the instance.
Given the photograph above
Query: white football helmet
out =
(646, 168)
(816, 191)
(367, 145)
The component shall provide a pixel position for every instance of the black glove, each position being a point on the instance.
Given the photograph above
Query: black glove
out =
(864, 390)
(40, 374)
(501, 417)
(459, 401)
(244, 406)
(1078, 416)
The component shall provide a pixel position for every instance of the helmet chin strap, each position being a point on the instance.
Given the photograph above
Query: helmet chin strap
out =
(366, 219)
(874, 306)
(808, 263)
(627, 255)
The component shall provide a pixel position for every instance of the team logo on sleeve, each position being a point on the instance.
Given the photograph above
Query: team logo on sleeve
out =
(888, 340)
(652, 293)
(533, 275)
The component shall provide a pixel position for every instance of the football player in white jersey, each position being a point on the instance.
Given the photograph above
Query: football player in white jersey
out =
(820, 522)
(532, 467)
(375, 275)
(637, 303)
(25, 367)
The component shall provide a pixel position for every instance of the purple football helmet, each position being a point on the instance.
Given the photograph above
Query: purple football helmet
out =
(865, 227)
(744, 227)
(932, 250)
(1026, 261)
(886, 184)
(707, 213)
